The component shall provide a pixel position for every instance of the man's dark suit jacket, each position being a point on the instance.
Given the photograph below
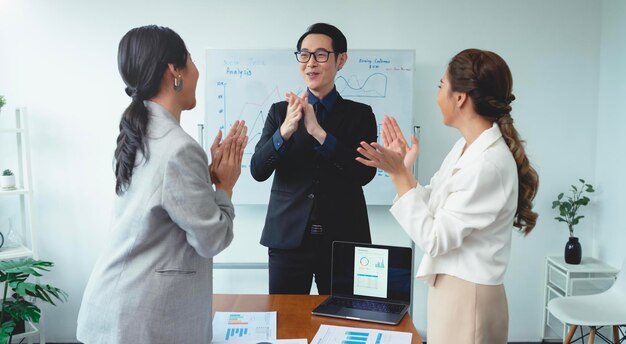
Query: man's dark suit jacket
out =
(303, 176)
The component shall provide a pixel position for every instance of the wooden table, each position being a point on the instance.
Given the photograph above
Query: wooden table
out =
(293, 314)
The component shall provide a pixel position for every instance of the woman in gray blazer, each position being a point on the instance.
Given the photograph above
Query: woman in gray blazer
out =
(153, 281)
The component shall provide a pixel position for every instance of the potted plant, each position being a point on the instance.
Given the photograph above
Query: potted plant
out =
(569, 213)
(18, 307)
(3, 102)
(7, 180)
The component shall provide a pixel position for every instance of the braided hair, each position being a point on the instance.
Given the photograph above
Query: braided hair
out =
(143, 56)
(485, 77)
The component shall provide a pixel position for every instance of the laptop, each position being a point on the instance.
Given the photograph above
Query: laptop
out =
(369, 283)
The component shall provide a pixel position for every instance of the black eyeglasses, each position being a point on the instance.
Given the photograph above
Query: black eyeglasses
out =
(320, 55)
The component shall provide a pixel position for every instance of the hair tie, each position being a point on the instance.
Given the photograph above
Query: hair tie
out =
(509, 99)
(133, 93)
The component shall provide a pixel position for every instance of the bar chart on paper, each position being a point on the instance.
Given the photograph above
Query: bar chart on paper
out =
(243, 326)
(236, 332)
(355, 337)
(328, 334)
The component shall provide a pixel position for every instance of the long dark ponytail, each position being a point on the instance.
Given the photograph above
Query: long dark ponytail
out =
(143, 56)
(487, 79)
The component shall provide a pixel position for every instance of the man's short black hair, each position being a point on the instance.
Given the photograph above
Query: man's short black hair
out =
(340, 44)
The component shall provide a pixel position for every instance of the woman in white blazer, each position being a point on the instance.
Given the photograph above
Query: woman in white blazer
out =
(463, 219)
(153, 280)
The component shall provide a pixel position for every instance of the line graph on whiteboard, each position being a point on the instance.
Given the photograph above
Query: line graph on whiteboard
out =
(374, 86)
(243, 84)
(253, 111)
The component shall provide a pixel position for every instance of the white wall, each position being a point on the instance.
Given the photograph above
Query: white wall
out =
(58, 58)
(611, 161)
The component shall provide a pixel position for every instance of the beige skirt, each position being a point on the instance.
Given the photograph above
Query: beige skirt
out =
(463, 312)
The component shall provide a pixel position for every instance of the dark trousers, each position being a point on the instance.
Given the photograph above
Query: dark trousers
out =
(292, 271)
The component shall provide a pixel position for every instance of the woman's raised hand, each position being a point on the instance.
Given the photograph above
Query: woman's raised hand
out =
(394, 140)
(225, 167)
(375, 155)
(395, 157)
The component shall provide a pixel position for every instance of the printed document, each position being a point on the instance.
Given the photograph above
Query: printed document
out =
(244, 327)
(328, 334)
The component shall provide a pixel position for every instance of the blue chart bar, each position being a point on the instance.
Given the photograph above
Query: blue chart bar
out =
(355, 337)
(378, 338)
(233, 332)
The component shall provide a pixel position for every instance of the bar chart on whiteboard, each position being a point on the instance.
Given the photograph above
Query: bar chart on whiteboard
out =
(243, 84)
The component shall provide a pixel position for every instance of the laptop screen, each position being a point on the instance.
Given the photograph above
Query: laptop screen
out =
(375, 272)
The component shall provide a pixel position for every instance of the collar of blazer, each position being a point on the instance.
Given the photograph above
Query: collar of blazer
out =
(484, 141)
(159, 112)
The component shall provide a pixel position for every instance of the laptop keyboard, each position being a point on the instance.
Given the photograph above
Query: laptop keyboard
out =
(367, 305)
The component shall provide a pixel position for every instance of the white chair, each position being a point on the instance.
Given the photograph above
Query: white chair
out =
(605, 309)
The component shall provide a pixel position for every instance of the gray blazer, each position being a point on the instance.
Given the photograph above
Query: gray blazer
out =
(154, 282)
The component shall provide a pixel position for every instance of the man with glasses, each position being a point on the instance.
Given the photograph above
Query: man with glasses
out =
(309, 142)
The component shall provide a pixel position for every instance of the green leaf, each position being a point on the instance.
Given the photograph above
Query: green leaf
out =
(42, 292)
(27, 266)
(23, 310)
(6, 330)
(14, 274)
(569, 208)
(23, 288)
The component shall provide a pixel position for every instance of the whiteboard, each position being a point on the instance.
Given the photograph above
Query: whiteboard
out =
(243, 84)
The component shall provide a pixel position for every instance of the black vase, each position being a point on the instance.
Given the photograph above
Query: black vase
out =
(573, 251)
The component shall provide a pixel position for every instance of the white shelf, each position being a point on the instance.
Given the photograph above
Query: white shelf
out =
(15, 252)
(4, 130)
(18, 191)
(22, 171)
(587, 265)
(589, 277)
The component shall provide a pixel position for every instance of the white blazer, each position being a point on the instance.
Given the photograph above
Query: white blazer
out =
(463, 220)
(153, 280)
